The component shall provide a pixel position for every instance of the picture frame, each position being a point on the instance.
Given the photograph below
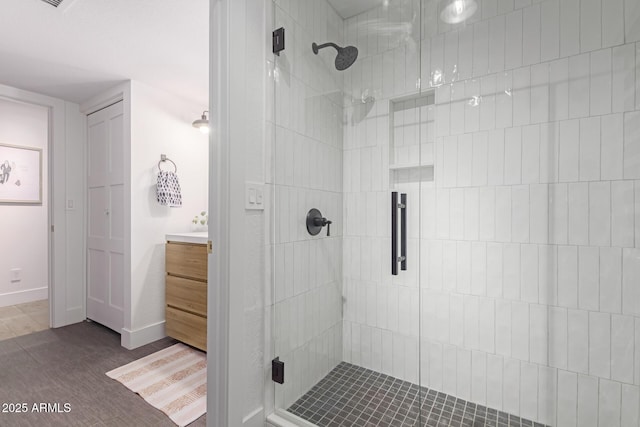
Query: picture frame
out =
(20, 175)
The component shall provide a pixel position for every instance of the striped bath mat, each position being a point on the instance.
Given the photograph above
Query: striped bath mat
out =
(173, 380)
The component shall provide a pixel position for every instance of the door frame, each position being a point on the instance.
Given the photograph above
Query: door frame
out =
(54, 194)
(223, 405)
(47, 191)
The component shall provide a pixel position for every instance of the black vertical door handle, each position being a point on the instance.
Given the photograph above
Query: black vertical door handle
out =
(394, 233)
(395, 259)
(403, 231)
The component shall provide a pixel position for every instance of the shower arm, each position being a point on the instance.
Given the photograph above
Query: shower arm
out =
(316, 47)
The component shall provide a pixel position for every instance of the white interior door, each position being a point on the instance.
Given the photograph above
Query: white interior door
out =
(105, 234)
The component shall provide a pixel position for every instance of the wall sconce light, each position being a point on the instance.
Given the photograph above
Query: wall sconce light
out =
(457, 11)
(202, 123)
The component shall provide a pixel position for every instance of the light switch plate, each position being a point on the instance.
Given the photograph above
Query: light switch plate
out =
(254, 196)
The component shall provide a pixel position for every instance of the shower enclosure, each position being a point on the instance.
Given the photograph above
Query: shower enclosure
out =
(481, 183)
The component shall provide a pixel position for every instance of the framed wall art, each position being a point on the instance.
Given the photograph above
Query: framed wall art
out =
(20, 174)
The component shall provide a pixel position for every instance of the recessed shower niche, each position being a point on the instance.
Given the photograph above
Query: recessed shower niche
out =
(412, 138)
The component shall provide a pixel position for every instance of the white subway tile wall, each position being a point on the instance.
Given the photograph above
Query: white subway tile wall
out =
(525, 290)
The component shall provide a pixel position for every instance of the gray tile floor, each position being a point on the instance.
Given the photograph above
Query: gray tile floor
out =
(68, 365)
(353, 396)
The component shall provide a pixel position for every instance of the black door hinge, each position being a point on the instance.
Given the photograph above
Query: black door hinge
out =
(278, 41)
(277, 371)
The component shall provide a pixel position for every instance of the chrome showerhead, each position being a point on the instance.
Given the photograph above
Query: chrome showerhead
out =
(346, 55)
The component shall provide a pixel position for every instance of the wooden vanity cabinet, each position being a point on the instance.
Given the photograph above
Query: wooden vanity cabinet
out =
(186, 293)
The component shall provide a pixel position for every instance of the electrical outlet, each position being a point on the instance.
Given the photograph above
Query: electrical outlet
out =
(16, 275)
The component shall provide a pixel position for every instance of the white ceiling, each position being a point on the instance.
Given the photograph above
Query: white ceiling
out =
(349, 8)
(75, 52)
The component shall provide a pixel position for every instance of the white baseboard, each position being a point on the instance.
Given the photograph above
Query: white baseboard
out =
(143, 336)
(21, 297)
(255, 418)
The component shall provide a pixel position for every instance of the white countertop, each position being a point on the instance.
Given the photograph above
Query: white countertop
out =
(199, 237)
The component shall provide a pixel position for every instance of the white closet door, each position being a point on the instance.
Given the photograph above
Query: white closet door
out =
(105, 234)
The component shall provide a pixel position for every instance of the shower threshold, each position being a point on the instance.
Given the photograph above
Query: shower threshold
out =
(354, 396)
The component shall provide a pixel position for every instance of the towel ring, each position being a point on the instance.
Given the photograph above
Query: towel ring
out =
(166, 159)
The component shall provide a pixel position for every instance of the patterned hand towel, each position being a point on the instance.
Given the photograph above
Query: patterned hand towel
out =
(168, 189)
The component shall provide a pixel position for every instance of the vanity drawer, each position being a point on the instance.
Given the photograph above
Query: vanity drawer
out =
(186, 260)
(186, 294)
(186, 327)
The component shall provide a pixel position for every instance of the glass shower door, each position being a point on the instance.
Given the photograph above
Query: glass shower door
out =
(487, 271)
(347, 135)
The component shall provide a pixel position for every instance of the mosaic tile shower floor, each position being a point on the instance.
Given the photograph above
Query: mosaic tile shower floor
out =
(353, 396)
